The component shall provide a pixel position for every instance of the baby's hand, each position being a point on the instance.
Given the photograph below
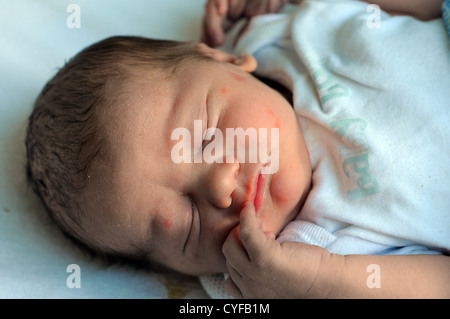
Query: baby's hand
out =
(220, 15)
(260, 267)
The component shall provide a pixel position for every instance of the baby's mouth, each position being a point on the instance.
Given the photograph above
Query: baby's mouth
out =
(260, 189)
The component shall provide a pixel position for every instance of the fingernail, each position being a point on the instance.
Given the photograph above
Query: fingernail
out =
(239, 60)
(270, 234)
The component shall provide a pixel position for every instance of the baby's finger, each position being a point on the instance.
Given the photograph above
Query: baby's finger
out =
(254, 8)
(251, 235)
(275, 5)
(212, 24)
(236, 9)
(233, 250)
(222, 6)
(232, 288)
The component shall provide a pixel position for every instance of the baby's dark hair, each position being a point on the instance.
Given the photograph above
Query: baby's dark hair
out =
(64, 135)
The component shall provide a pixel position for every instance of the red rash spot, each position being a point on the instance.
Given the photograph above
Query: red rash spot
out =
(277, 123)
(224, 91)
(167, 223)
(276, 119)
(237, 77)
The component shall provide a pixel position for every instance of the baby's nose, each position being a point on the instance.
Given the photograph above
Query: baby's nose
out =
(221, 182)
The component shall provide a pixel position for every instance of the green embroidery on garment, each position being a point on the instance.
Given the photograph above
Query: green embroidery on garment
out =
(356, 164)
(355, 153)
(327, 85)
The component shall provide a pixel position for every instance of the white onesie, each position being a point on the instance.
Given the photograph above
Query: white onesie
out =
(372, 95)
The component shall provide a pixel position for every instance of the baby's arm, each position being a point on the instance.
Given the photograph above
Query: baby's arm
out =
(402, 276)
(260, 267)
(420, 9)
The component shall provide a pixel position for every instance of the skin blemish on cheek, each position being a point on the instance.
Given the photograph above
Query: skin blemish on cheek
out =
(167, 223)
(277, 123)
(276, 119)
(237, 77)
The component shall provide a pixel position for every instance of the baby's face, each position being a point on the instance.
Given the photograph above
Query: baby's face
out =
(183, 212)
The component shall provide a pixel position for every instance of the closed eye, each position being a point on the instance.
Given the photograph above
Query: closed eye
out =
(193, 206)
(208, 137)
(208, 133)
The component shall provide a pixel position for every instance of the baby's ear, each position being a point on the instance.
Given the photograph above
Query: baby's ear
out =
(245, 62)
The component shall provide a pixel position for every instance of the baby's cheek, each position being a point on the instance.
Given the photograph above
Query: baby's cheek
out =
(167, 223)
(285, 189)
(275, 118)
(167, 218)
(217, 236)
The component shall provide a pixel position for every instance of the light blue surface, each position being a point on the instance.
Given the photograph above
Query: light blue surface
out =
(446, 15)
(34, 42)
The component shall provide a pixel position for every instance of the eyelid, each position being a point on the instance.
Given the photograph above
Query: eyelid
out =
(193, 204)
(211, 130)
(204, 140)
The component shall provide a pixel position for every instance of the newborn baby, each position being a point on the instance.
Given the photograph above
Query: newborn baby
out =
(142, 149)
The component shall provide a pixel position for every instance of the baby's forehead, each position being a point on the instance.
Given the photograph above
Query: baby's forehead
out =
(138, 96)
